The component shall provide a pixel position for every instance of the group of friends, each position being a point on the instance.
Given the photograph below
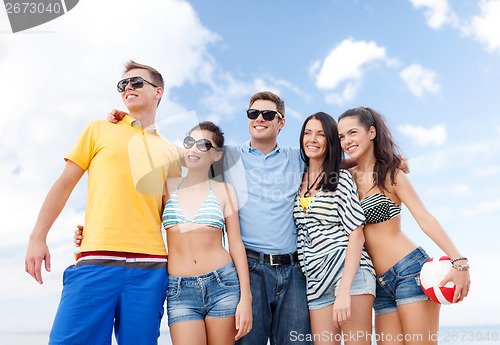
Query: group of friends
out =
(314, 240)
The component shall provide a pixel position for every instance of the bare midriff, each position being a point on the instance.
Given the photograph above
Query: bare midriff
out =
(387, 244)
(195, 250)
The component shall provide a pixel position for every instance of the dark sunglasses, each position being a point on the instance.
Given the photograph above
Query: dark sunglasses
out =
(202, 144)
(267, 115)
(135, 82)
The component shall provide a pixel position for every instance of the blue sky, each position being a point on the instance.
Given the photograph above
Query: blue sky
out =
(432, 67)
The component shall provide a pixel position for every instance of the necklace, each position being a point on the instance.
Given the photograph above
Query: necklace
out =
(308, 191)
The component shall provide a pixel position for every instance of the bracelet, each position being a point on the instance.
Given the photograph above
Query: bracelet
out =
(465, 267)
(459, 258)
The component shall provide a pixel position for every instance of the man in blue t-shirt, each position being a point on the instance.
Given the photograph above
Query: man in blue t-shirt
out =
(266, 190)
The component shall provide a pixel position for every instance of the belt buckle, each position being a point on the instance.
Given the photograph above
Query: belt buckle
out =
(271, 259)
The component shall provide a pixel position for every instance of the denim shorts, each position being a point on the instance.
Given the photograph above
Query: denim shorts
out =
(363, 284)
(401, 284)
(215, 294)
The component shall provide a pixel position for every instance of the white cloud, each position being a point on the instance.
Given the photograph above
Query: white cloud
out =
(315, 67)
(420, 80)
(61, 75)
(486, 27)
(346, 63)
(421, 136)
(227, 97)
(347, 95)
(437, 12)
(483, 27)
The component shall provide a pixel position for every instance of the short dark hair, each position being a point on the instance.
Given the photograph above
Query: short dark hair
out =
(269, 96)
(156, 77)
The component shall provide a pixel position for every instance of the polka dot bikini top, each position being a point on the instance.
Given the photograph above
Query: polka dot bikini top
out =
(378, 208)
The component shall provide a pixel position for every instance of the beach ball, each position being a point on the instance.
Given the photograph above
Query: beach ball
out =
(432, 273)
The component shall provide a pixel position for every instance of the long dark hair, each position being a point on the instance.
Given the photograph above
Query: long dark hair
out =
(334, 154)
(386, 150)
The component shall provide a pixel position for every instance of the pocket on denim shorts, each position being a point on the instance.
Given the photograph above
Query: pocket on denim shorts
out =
(229, 281)
(173, 291)
(412, 270)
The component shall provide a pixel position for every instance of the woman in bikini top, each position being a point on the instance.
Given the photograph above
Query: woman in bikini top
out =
(378, 207)
(210, 213)
(382, 189)
(197, 215)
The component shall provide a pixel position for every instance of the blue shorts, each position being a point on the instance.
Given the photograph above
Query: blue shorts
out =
(400, 284)
(363, 284)
(126, 293)
(215, 294)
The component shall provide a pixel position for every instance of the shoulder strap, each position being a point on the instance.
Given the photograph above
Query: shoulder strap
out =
(180, 183)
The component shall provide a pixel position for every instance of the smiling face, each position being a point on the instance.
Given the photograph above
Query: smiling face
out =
(355, 139)
(262, 130)
(194, 157)
(144, 97)
(314, 140)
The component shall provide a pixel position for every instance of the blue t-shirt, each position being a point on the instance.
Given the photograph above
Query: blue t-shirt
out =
(266, 186)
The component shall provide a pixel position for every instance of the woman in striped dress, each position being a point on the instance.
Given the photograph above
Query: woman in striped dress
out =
(340, 276)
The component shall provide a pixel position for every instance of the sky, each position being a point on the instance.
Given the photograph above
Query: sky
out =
(431, 67)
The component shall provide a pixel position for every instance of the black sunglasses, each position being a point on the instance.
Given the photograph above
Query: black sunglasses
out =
(135, 82)
(202, 144)
(267, 115)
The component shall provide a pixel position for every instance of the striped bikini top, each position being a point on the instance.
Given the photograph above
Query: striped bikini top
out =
(209, 214)
(378, 208)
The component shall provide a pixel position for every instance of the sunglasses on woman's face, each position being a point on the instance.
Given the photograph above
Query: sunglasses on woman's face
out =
(267, 115)
(202, 144)
(135, 82)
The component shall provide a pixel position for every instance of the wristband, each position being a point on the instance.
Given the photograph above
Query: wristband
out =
(459, 258)
(465, 267)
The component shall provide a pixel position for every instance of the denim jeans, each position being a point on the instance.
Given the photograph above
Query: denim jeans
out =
(279, 305)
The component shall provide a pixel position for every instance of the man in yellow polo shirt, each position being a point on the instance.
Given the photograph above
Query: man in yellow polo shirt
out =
(120, 278)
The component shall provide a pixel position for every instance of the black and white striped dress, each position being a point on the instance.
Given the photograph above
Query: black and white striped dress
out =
(323, 234)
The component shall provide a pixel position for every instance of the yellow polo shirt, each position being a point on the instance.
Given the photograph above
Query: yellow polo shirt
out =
(127, 168)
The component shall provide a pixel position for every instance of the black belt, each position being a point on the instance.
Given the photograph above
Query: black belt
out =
(274, 259)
